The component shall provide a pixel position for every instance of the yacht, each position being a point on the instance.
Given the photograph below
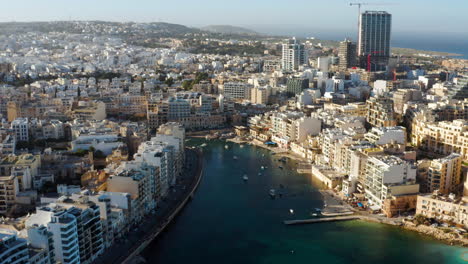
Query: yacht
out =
(272, 192)
(245, 177)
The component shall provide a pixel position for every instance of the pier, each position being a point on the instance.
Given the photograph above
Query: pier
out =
(321, 220)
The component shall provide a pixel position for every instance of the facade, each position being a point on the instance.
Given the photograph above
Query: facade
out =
(41, 243)
(374, 39)
(380, 112)
(386, 176)
(13, 250)
(402, 96)
(443, 175)
(445, 208)
(441, 137)
(347, 54)
(293, 55)
(296, 85)
(260, 95)
(20, 126)
(64, 230)
(237, 90)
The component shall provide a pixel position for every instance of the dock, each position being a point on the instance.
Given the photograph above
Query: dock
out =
(321, 220)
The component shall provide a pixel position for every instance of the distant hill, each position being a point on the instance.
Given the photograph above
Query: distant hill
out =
(227, 29)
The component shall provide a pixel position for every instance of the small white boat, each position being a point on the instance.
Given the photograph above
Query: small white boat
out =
(226, 146)
(259, 174)
(203, 145)
(291, 211)
(235, 157)
(245, 177)
(262, 168)
(272, 192)
(314, 214)
(241, 146)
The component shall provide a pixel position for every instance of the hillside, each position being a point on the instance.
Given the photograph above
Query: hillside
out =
(227, 29)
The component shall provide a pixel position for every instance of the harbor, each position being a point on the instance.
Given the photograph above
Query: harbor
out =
(244, 216)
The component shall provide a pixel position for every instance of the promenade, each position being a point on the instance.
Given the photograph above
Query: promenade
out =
(128, 249)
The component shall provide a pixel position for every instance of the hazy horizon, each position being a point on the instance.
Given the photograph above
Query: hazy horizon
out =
(408, 16)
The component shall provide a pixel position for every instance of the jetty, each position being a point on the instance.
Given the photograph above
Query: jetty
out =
(321, 220)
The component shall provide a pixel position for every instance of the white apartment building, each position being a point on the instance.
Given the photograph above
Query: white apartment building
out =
(13, 250)
(20, 126)
(293, 55)
(444, 208)
(387, 135)
(386, 176)
(237, 90)
(64, 229)
(103, 142)
(40, 240)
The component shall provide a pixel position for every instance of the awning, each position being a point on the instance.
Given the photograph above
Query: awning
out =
(360, 205)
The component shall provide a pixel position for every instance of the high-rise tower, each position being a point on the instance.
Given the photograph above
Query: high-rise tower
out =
(293, 55)
(347, 54)
(374, 39)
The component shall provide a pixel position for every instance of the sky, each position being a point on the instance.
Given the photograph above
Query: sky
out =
(273, 16)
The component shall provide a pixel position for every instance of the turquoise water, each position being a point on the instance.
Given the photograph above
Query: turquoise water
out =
(230, 221)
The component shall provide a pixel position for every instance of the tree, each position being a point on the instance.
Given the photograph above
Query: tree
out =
(419, 219)
(98, 154)
(169, 81)
(187, 85)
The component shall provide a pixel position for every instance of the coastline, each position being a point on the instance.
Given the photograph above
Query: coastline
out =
(329, 197)
(135, 256)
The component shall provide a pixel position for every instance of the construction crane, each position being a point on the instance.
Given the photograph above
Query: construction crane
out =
(364, 4)
(369, 59)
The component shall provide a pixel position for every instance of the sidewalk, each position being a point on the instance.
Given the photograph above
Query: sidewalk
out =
(153, 223)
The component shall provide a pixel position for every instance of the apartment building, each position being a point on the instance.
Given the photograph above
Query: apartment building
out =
(443, 175)
(13, 250)
(387, 176)
(444, 208)
(380, 112)
(441, 137)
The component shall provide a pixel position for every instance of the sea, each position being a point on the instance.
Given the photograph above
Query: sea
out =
(430, 41)
(233, 221)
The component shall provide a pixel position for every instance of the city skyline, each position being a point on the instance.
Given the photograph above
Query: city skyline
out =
(314, 15)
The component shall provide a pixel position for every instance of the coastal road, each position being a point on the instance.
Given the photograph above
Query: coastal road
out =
(120, 250)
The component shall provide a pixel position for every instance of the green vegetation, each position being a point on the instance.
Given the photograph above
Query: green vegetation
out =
(419, 219)
(200, 76)
(169, 81)
(227, 49)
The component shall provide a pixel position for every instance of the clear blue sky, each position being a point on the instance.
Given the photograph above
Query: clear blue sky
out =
(408, 15)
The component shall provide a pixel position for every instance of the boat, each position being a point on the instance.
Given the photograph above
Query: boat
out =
(281, 167)
(226, 146)
(203, 145)
(259, 174)
(272, 192)
(235, 158)
(314, 214)
(291, 211)
(245, 177)
(262, 168)
(241, 146)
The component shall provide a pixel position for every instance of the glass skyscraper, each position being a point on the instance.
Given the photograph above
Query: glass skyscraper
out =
(374, 39)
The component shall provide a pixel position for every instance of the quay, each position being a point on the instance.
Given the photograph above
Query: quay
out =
(321, 220)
